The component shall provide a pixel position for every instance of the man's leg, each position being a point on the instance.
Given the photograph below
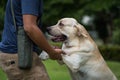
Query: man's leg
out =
(38, 71)
(9, 64)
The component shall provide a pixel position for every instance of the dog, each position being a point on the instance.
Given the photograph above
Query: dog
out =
(82, 57)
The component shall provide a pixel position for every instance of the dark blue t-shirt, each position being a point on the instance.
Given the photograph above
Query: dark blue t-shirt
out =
(8, 43)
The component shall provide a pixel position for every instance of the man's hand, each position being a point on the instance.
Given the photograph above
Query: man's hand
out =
(56, 55)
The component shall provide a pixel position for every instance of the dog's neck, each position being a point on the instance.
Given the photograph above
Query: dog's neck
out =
(67, 44)
(70, 46)
(71, 42)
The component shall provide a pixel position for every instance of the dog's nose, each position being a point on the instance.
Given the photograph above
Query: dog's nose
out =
(48, 29)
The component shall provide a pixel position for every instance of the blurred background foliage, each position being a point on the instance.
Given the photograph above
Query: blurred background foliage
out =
(100, 17)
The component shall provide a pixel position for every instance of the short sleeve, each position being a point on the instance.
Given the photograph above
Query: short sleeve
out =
(31, 7)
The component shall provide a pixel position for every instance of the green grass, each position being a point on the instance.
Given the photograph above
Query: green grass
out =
(58, 72)
(2, 75)
(115, 67)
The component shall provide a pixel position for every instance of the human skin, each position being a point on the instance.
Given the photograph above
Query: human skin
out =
(36, 35)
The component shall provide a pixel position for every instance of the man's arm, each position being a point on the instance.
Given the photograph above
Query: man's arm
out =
(36, 35)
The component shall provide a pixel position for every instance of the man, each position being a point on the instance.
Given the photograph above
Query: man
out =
(27, 13)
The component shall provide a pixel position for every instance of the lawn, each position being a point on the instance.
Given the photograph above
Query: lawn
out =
(2, 76)
(57, 72)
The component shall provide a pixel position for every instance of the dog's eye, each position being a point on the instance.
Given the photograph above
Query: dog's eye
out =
(61, 24)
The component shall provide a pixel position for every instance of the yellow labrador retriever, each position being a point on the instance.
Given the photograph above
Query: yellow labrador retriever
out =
(82, 55)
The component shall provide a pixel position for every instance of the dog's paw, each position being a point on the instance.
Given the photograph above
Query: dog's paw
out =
(44, 55)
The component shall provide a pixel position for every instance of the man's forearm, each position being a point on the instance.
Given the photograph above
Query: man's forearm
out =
(35, 33)
(38, 38)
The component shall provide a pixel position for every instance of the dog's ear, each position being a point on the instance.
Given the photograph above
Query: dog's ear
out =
(81, 31)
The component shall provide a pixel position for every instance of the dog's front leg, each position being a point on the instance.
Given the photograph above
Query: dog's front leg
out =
(74, 61)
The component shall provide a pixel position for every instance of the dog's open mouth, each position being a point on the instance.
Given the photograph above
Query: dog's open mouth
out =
(57, 38)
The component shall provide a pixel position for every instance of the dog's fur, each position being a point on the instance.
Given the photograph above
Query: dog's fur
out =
(82, 55)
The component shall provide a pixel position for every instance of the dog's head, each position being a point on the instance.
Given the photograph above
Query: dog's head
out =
(66, 28)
